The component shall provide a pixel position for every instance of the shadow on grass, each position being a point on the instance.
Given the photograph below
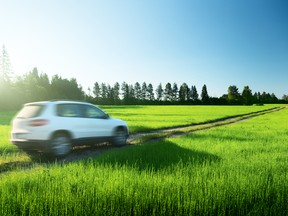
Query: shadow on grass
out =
(11, 166)
(157, 156)
(154, 156)
(18, 163)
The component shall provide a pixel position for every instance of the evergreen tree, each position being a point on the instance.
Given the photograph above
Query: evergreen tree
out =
(274, 98)
(125, 92)
(150, 92)
(96, 91)
(285, 97)
(168, 92)
(131, 94)
(159, 92)
(194, 94)
(110, 95)
(174, 92)
(204, 94)
(5, 67)
(116, 93)
(138, 92)
(144, 91)
(184, 92)
(104, 91)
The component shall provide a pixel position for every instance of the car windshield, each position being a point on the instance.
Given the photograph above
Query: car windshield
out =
(30, 111)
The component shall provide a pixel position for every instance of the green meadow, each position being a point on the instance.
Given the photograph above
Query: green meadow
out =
(147, 118)
(237, 169)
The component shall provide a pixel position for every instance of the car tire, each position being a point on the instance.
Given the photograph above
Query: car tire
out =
(60, 145)
(120, 137)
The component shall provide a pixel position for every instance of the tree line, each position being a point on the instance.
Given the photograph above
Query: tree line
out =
(35, 86)
(172, 94)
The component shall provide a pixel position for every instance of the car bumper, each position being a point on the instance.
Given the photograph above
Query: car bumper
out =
(31, 145)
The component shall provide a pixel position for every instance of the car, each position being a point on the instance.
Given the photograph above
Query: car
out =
(55, 127)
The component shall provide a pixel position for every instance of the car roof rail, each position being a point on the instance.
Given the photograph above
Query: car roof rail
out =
(56, 100)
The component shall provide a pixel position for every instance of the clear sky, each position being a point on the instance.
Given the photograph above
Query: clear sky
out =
(213, 42)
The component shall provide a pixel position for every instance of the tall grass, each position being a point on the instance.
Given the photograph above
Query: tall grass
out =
(9, 154)
(239, 169)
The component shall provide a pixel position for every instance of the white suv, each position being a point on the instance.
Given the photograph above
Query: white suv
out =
(54, 127)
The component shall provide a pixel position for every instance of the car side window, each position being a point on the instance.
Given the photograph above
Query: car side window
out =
(93, 112)
(68, 110)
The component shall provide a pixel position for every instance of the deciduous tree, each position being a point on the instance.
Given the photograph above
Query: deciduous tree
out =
(233, 95)
(247, 96)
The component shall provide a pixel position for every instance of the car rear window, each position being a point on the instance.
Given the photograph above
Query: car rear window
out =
(30, 111)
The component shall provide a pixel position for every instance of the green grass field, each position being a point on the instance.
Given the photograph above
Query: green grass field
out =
(147, 118)
(240, 169)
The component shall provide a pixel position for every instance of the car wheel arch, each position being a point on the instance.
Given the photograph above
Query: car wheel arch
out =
(121, 128)
(66, 132)
(60, 143)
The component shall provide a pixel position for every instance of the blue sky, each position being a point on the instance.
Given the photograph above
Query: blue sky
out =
(213, 42)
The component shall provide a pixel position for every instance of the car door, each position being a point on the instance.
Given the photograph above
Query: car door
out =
(71, 119)
(98, 124)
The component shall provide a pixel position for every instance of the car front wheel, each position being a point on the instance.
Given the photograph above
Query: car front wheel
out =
(60, 145)
(120, 137)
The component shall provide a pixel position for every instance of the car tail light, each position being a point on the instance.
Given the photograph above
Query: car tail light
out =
(38, 122)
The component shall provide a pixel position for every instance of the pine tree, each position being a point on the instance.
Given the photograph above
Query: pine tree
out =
(144, 91)
(96, 90)
(175, 92)
(194, 94)
(104, 91)
(150, 92)
(159, 92)
(168, 92)
(184, 92)
(125, 92)
(137, 89)
(5, 66)
(116, 92)
(204, 94)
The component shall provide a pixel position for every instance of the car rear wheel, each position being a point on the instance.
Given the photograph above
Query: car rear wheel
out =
(60, 145)
(120, 137)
